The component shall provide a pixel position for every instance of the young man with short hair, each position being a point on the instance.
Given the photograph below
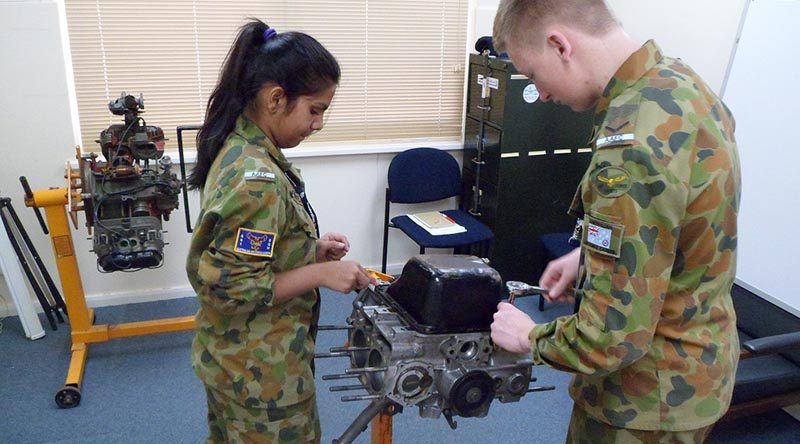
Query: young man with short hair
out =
(653, 344)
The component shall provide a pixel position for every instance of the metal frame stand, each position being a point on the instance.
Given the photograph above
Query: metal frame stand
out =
(381, 430)
(81, 317)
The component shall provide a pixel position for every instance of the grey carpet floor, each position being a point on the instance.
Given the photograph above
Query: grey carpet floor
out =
(142, 390)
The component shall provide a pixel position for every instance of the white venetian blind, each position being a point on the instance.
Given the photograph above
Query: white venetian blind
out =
(402, 62)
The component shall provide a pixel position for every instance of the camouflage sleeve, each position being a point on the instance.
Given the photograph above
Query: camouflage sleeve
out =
(237, 272)
(634, 203)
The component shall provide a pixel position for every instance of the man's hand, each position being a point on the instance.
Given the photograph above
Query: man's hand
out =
(511, 327)
(332, 247)
(560, 275)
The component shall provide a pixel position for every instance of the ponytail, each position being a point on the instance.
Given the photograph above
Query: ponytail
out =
(293, 60)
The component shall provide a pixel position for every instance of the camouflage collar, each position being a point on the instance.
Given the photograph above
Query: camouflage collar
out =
(249, 131)
(637, 65)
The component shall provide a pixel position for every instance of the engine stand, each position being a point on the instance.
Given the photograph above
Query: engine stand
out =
(81, 318)
(381, 428)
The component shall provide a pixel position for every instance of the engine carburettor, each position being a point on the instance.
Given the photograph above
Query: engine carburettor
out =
(424, 340)
(127, 196)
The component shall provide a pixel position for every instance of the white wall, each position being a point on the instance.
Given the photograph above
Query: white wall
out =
(701, 32)
(347, 191)
(763, 95)
(35, 115)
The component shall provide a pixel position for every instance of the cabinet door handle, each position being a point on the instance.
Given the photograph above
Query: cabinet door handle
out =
(480, 191)
(484, 108)
(474, 213)
(478, 162)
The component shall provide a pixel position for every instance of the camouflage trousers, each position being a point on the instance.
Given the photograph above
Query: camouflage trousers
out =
(230, 422)
(583, 429)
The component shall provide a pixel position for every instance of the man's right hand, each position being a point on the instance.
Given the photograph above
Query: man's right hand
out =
(560, 275)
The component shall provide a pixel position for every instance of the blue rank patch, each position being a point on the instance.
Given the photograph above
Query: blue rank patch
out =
(254, 242)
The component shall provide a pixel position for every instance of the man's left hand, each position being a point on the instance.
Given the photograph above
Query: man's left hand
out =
(511, 327)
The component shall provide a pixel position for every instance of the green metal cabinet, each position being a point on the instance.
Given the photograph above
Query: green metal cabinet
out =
(523, 160)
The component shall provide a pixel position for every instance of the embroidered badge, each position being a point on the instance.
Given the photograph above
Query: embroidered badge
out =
(611, 181)
(598, 236)
(616, 139)
(619, 127)
(254, 242)
(265, 176)
(602, 236)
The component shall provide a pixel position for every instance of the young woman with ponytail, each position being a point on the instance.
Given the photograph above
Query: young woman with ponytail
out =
(256, 259)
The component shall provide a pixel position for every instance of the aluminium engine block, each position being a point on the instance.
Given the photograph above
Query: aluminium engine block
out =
(424, 340)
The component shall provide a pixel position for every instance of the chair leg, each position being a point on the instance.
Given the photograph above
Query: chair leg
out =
(385, 233)
(421, 250)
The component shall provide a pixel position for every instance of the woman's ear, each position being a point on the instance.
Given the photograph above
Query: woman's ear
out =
(273, 98)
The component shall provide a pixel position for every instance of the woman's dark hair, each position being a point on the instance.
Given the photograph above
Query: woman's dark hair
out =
(295, 61)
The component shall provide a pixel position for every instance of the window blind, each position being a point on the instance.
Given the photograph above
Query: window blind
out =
(402, 62)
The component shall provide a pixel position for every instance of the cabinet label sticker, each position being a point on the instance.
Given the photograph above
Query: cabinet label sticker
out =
(530, 94)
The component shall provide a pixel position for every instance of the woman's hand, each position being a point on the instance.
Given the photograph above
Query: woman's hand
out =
(344, 276)
(332, 246)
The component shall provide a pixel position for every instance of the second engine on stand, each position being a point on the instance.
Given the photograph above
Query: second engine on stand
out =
(424, 340)
(127, 196)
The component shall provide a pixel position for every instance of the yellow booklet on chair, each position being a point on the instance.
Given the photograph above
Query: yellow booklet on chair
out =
(434, 219)
(437, 223)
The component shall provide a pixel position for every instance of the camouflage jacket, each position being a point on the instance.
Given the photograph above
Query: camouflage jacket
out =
(252, 224)
(654, 343)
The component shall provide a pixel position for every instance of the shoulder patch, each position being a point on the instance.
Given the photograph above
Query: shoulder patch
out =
(602, 236)
(264, 176)
(611, 181)
(254, 242)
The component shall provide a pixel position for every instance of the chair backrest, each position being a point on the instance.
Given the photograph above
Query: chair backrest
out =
(423, 175)
(758, 318)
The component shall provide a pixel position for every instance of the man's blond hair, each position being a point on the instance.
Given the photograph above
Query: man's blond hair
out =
(514, 16)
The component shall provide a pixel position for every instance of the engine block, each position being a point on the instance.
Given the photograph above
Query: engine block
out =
(424, 340)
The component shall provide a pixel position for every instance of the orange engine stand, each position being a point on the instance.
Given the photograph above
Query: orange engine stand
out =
(81, 318)
(381, 429)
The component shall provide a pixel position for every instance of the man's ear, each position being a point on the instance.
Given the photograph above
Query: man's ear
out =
(559, 42)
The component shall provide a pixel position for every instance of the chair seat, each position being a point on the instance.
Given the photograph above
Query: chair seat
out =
(556, 244)
(476, 231)
(760, 377)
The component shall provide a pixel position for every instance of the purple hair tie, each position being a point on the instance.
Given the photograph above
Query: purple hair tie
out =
(269, 33)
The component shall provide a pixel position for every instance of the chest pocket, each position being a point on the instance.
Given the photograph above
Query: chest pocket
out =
(298, 217)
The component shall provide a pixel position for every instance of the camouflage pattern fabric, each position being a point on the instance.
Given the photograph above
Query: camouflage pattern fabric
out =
(230, 423)
(252, 224)
(654, 343)
(583, 429)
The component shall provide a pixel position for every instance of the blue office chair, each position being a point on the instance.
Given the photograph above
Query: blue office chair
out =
(426, 175)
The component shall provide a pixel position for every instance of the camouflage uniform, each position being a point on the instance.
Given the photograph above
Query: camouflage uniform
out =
(654, 344)
(253, 355)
